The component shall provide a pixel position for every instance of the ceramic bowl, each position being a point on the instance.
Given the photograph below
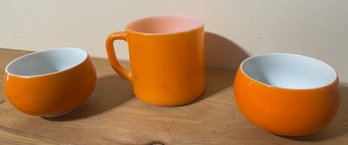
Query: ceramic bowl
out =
(287, 94)
(49, 83)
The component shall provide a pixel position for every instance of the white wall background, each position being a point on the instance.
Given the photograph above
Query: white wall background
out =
(317, 28)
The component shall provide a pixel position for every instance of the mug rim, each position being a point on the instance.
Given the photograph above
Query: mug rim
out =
(336, 79)
(201, 24)
(50, 50)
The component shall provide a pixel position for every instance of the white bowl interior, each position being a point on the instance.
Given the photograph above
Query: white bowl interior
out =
(289, 71)
(46, 62)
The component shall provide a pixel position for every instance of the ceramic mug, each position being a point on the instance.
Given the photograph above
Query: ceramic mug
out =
(287, 94)
(50, 83)
(166, 56)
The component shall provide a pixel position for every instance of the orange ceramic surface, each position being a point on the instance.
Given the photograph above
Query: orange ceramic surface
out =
(52, 93)
(167, 59)
(284, 111)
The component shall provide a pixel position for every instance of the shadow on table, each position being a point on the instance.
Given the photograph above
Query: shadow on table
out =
(338, 127)
(111, 91)
(221, 53)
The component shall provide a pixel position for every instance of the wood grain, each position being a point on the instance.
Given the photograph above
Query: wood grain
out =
(113, 115)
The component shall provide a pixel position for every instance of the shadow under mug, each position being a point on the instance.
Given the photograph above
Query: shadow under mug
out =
(167, 59)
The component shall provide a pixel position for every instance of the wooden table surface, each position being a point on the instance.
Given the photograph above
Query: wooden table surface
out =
(112, 115)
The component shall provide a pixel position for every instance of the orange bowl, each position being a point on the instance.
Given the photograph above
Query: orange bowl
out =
(51, 82)
(287, 94)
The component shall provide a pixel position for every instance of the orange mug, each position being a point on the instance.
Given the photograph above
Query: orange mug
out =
(167, 58)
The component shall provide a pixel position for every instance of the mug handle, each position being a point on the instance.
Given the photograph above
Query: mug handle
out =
(112, 55)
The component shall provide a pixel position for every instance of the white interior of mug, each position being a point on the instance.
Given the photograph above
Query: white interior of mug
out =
(46, 62)
(164, 24)
(289, 71)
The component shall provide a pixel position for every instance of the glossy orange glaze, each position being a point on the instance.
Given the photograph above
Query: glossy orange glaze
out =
(167, 69)
(52, 93)
(285, 111)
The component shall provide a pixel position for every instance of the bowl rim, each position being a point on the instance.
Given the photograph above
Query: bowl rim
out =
(42, 51)
(284, 88)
